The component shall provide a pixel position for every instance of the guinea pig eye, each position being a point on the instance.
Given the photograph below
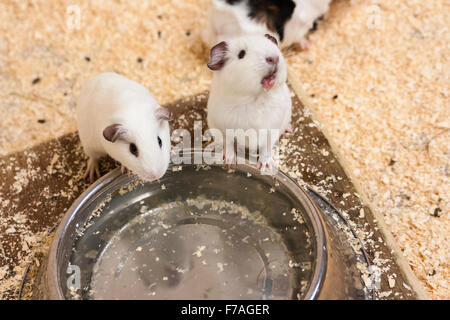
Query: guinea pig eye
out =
(241, 54)
(133, 149)
(160, 142)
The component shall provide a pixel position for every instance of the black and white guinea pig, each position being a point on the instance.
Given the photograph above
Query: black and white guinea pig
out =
(287, 20)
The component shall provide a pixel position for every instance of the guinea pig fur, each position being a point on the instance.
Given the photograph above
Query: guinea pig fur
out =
(287, 20)
(249, 91)
(120, 118)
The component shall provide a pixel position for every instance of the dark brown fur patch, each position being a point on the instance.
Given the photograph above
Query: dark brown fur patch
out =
(273, 13)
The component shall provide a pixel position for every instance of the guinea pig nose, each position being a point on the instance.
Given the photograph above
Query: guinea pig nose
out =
(272, 60)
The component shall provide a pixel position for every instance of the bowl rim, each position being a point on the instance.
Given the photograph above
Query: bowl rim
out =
(52, 274)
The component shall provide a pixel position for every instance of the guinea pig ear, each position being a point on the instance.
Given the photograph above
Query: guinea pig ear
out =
(113, 132)
(271, 38)
(217, 56)
(163, 113)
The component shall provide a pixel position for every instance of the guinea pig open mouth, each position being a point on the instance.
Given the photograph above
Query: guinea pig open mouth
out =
(269, 80)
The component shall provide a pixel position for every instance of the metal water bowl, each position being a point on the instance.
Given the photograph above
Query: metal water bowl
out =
(201, 232)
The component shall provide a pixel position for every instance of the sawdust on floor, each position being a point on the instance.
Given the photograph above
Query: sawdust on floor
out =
(48, 51)
(50, 178)
(377, 76)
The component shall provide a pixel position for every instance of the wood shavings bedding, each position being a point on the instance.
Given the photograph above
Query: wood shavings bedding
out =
(365, 76)
(316, 166)
(302, 156)
(377, 78)
(45, 57)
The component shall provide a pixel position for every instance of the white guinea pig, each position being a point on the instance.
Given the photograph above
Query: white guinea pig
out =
(249, 91)
(287, 20)
(119, 117)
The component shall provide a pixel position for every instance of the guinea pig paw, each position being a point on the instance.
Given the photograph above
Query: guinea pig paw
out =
(229, 158)
(174, 150)
(265, 165)
(92, 170)
(125, 170)
(304, 44)
(289, 131)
